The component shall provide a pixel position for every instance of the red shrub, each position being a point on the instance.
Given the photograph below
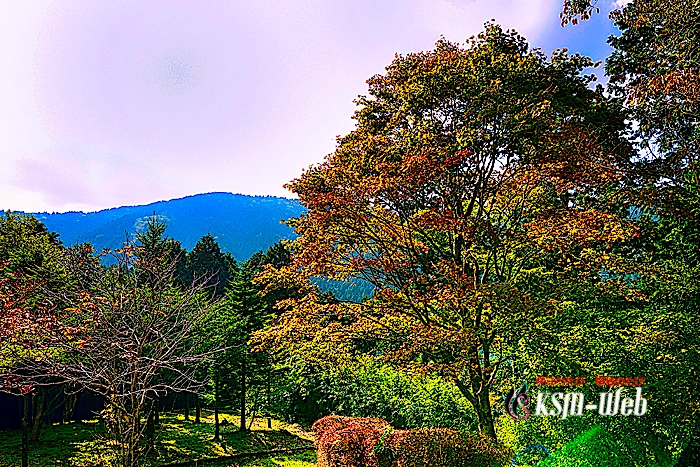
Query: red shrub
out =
(372, 442)
(439, 447)
(348, 442)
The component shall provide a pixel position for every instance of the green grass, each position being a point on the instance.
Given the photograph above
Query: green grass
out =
(307, 459)
(57, 444)
(82, 444)
(597, 445)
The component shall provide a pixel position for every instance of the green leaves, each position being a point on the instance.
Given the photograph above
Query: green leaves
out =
(470, 170)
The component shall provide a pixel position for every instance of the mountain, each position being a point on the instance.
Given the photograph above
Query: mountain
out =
(241, 224)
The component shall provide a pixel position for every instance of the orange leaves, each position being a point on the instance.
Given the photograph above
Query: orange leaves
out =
(564, 230)
(681, 85)
(286, 277)
(308, 326)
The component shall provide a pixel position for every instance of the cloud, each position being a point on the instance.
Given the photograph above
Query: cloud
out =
(621, 3)
(72, 177)
(111, 103)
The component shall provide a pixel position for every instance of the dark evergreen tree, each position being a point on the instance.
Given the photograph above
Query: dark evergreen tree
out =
(207, 262)
(277, 255)
(247, 309)
(156, 251)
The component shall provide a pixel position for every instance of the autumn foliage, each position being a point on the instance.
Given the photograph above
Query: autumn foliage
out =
(346, 441)
(372, 442)
(28, 324)
(474, 176)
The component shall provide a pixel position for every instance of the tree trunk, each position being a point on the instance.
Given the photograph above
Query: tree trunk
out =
(197, 409)
(253, 413)
(26, 403)
(134, 438)
(269, 411)
(485, 415)
(482, 407)
(38, 404)
(69, 403)
(151, 424)
(187, 406)
(216, 406)
(243, 395)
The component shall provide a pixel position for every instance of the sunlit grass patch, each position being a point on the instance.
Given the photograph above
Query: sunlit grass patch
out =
(83, 444)
(306, 459)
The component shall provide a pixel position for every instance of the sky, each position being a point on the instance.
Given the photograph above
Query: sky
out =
(106, 104)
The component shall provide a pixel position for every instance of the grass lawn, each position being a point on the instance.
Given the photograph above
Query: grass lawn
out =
(81, 444)
(306, 459)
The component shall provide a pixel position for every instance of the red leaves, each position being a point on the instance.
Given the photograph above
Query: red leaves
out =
(348, 442)
(30, 325)
(372, 442)
(445, 221)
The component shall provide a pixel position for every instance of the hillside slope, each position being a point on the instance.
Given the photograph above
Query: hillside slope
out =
(242, 224)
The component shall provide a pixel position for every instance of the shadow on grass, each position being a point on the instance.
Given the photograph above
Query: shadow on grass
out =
(180, 440)
(177, 440)
(60, 445)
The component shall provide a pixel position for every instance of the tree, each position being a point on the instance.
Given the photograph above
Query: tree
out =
(242, 376)
(246, 311)
(120, 333)
(655, 67)
(473, 175)
(159, 258)
(29, 273)
(28, 247)
(156, 247)
(28, 258)
(206, 260)
(655, 70)
(22, 319)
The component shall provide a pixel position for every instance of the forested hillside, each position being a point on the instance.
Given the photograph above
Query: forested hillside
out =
(241, 224)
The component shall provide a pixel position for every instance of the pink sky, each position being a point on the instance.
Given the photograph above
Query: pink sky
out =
(114, 103)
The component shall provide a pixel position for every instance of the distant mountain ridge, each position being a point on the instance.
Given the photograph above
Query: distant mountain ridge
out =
(242, 224)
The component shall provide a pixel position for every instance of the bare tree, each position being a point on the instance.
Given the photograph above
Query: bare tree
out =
(128, 334)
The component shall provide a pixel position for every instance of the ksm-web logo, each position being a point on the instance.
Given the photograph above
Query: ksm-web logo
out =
(624, 401)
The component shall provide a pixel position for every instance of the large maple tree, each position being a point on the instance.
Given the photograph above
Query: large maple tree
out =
(474, 175)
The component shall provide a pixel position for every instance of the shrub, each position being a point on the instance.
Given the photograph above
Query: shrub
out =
(371, 388)
(348, 442)
(372, 442)
(440, 447)
(597, 445)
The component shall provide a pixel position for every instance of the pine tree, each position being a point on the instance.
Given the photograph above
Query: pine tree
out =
(207, 262)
